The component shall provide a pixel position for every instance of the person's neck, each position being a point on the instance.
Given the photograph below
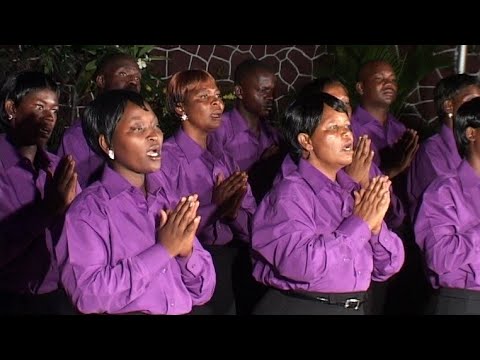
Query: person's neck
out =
(448, 121)
(135, 179)
(199, 136)
(474, 161)
(253, 120)
(378, 112)
(325, 170)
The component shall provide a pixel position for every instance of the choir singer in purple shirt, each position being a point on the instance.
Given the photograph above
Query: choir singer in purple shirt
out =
(36, 187)
(318, 237)
(114, 71)
(438, 155)
(128, 244)
(194, 162)
(447, 226)
(246, 132)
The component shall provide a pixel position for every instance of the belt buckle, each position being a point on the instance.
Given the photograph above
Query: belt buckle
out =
(352, 303)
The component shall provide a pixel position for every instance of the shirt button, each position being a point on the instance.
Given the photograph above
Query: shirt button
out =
(172, 304)
(346, 259)
(359, 273)
(164, 270)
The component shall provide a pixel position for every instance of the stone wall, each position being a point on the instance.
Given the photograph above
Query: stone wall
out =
(295, 64)
(419, 105)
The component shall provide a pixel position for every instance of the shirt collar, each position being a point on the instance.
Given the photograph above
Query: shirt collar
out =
(446, 135)
(239, 124)
(113, 182)
(192, 150)
(316, 179)
(11, 157)
(364, 117)
(188, 146)
(468, 177)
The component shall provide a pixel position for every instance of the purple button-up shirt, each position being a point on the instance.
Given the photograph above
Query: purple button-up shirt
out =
(447, 229)
(438, 155)
(191, 169)
(307, 237)
(27, 232)
(88, 164)
(396, 212)
(110, 260)
(363, 123)
(243, 145)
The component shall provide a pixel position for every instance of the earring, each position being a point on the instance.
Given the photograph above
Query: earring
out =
(184, 117)
(10, 117)
(111, 154)
(450, 115)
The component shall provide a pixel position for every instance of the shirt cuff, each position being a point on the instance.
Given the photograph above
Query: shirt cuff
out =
(383, 237)
(356, 230)
(191, 263)
(155, 258)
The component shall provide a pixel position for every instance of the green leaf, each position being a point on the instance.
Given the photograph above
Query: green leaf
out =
(92, 65)
(145, 50)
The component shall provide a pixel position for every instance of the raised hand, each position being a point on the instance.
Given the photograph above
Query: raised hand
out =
(234, 203)
(371, 204)
(269, 152)
(225, 189)
(61, 187)
(178, 226)
(402, 153)
(410, 149)
(359, 169)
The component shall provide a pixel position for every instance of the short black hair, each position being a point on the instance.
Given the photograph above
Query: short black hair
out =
(247, 67)
(318, 85)
(102, 115)
(365, 65)
(468, 115)
(18, 85)
(303, 116)
(109, 59)
(449, 87)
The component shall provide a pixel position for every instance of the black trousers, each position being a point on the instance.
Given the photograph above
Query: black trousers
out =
(448, 301)
(236, 291)
(408, 291)
(53, 303)
(276, 302)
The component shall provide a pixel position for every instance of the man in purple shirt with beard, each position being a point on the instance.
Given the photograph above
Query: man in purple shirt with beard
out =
(115, 71)
(315, 244)
(196, 163)
(36, 187)
(246, 134)
(447, 225)
(128, 245)
(438, 155)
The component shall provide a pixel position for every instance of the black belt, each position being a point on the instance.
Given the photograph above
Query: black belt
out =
(346, 300)
(459, 293)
